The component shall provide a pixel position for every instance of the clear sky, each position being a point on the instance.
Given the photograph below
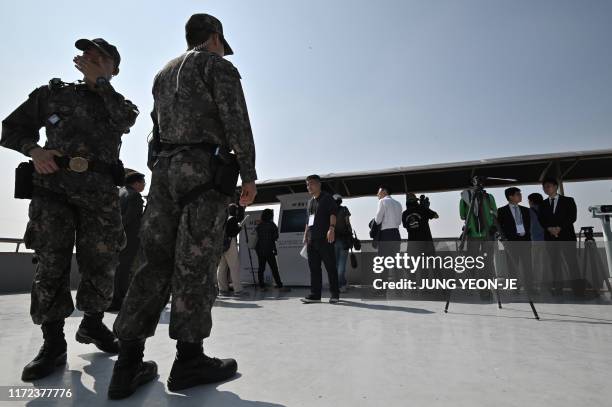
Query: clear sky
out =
(345, 85)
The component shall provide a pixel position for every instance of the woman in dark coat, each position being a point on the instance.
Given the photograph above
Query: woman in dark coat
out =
(267, 235)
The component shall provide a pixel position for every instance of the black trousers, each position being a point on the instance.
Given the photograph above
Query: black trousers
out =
(389, 244)
(320, 250)
(518, 258)
(558, 249)
(124, 271)
(269, 258)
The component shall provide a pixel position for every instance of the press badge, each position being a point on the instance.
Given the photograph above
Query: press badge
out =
(311, 220)
(54, 119)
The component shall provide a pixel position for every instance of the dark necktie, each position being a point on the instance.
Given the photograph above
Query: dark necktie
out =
(552, 204)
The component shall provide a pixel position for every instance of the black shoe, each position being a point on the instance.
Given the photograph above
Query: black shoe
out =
(50, 356)
(334, 300)
(127, 378)
(94, 331)
(310, 299)
(130, 371)
(200, 370)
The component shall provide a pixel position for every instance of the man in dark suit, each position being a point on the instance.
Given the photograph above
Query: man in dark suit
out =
(131, 203)
(515, 223)
(557, 216)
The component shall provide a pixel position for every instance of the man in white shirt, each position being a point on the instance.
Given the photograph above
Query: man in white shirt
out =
(389, 218)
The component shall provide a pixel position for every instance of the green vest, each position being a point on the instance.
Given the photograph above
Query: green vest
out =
(481, 223)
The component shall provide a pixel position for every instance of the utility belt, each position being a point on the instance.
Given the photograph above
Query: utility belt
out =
(211, 148)
(224, 170)
(80, 165)
(24, 172)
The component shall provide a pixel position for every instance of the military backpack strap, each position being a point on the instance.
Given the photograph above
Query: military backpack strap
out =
(56, 84)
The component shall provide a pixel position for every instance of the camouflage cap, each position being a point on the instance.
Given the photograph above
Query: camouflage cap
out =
(207, 22)
(102, 45)
(133, 176)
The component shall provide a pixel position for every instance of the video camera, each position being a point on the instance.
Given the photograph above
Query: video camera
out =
(588, 233)
(424, 201)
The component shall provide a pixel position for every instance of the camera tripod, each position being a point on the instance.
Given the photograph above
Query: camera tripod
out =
(476, 198)
(246, 237)
(591, 257)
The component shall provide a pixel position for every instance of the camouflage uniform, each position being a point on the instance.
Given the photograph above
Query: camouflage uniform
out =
(198, 98)
(69, 207)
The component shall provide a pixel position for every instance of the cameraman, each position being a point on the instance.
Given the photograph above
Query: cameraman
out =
(416, 219)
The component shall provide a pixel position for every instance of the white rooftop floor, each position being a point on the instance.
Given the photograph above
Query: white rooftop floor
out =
(357, 353)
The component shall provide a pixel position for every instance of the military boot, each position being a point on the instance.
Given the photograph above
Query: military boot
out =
(192, 367)
(52, 354)
(92, 330)
(130, 371)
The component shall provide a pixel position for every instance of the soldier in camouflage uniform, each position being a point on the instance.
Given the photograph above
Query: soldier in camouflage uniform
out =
(74, 199)
(198, 105)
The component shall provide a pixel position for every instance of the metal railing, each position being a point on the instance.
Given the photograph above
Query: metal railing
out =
(9, 240)
(19, 242)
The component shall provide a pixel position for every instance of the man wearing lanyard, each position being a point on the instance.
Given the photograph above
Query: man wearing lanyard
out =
(319, 235)
(515, 223)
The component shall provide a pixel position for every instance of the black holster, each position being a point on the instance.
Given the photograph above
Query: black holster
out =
(154, 148)
(23, 180)
(154, 144)
(225, 171)
(118, 173)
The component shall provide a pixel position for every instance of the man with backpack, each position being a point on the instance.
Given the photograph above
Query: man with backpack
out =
(344, 234)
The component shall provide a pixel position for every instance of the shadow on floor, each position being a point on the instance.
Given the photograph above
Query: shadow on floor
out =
(151, 394)
(543, 317)
(384, 307)
(580, 317)
(232, 304)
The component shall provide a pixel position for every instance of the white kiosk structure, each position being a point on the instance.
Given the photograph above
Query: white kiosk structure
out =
(291, 221)
(603, 213)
